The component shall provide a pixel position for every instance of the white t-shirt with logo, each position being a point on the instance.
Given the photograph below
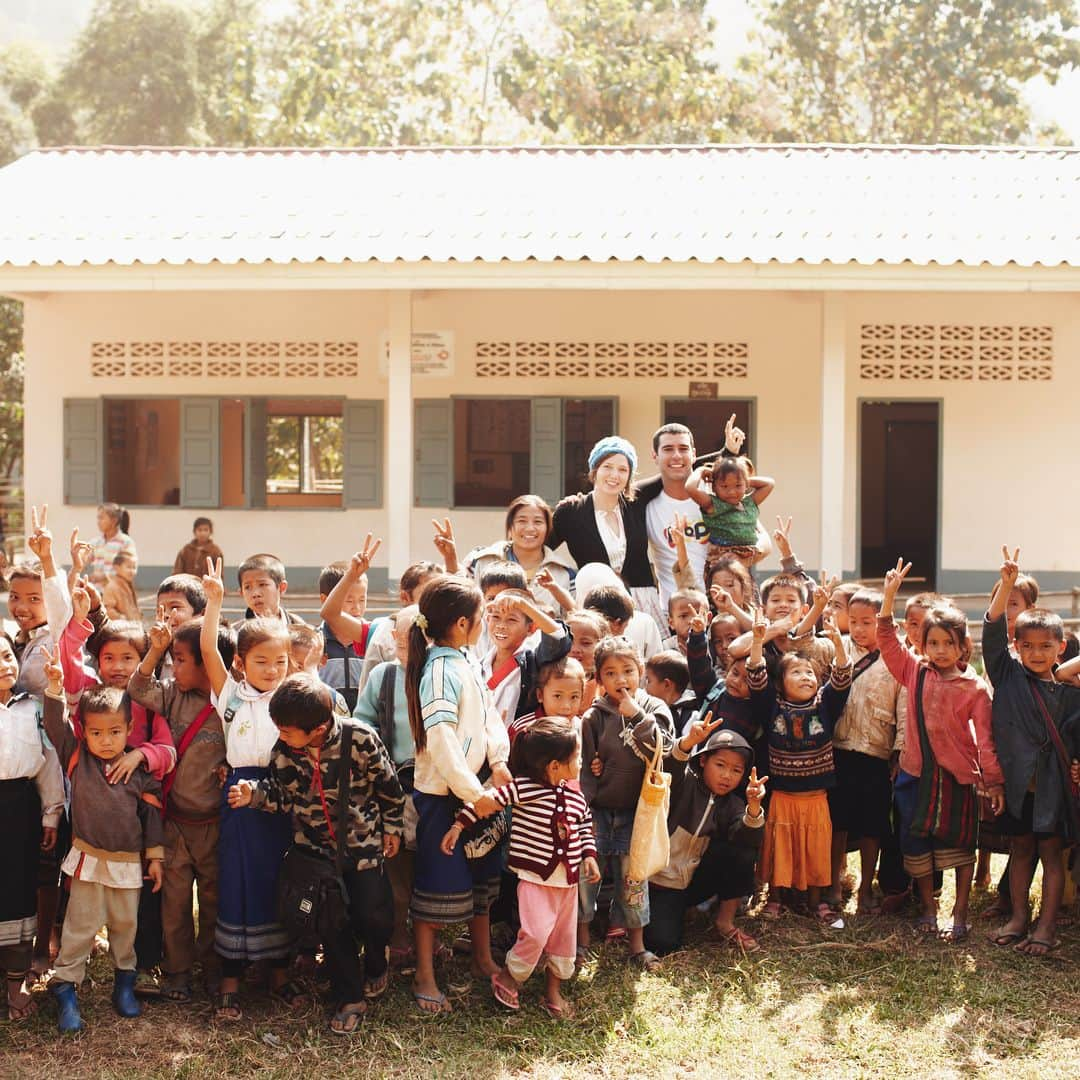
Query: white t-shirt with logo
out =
(659, 515)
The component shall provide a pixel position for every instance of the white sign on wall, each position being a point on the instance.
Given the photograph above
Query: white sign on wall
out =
(432, 352)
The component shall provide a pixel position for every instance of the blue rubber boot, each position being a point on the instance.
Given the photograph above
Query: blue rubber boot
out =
(123, 996)
(69, 1020)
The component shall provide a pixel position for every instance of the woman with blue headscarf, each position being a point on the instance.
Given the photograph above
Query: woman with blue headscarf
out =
(598, 527)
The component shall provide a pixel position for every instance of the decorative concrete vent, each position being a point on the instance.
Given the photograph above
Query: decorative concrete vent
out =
(613, 359)
(925, 352)
(226, 359)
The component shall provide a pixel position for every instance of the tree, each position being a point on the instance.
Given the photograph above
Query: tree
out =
(230, 62)
(623, 71)
(133, 75)
(909, 71)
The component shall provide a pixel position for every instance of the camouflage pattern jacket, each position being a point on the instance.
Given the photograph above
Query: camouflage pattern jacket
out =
(376, 806)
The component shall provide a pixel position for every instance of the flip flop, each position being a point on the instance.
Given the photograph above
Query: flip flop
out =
(227, 1007)
(375, 988)
(558, 1012)
(444, 1006)
(291, 993)
(348, 1018)
(956, 933)
(1048, 947)
(645, 960)
(1004, 938)
(503, 994)
(926, 924)
(737, 939)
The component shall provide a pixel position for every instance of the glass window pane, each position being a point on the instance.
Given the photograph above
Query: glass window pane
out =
(322, 454)
(142, 451)
(491, 451)
(585, 421)
(283, 454)
(707, 418)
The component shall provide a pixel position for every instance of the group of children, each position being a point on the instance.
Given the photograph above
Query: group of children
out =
(478, 758)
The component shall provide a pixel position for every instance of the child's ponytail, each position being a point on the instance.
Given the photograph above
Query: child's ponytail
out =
(443, 602)
(118, 513)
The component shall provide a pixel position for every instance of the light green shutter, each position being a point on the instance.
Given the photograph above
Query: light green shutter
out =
(200, 452)
(83, 451)
(255, 438)
(363, 453)
(433, 438)
(546, 450)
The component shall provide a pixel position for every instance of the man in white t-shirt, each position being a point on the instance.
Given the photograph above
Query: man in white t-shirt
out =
(662, 497)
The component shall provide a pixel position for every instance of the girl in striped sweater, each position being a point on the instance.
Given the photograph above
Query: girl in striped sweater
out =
(551, 846)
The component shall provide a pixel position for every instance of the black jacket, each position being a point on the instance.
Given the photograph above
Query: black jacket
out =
(575, 523)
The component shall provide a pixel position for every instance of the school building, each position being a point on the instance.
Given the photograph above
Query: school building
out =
(306, 345)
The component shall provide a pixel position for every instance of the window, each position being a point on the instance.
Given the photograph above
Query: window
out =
(491, 450)
(142, 451)
(304, 443)
(707, 417)
(585, 422)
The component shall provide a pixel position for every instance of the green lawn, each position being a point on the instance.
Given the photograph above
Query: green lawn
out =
(870, 1000)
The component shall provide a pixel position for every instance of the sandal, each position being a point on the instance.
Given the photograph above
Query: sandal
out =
(375, 988)
(926, 924)
(737, 939)
(177, 990)
(581, 958)
(403, 959)
(503, 994)
(347, 1018)
(28, 1006)
(956, 933)
(1046, 948)
(1004, 938)
(227, 1007)
(558, 1012)
(442, 1005)
(824, 912)
(291, 994)
(772, 910)
(645, 960)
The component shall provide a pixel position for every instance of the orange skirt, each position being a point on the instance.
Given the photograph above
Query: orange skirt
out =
(796, 851)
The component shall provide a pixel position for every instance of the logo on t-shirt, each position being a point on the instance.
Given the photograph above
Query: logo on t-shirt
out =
(695, 530)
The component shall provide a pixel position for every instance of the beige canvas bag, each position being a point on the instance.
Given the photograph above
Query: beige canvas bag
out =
(650, 845)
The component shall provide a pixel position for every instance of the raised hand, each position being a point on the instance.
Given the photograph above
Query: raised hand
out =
(91, 591)
(160, 634)
(543, 578)
(213, 584)
(699, 732)
(831, 631)
(361, 561)
(444, 541)
(697, 622)
(895, 576)
(734, 436)
(760, 625)
(80, 602)
(40, 539)
(721, 598)
(54, 673)
(1010, 569)
(755, 792)
(782, 536)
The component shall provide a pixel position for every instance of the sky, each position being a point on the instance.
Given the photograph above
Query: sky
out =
(54, 23)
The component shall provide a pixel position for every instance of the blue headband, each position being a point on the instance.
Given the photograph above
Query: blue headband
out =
(612, 444)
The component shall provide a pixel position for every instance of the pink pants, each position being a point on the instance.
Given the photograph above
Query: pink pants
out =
(548, 925)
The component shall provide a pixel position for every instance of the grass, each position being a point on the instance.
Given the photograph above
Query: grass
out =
(867, 1001)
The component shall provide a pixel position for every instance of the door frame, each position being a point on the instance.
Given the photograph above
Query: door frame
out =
(752, 420)
(886, 399)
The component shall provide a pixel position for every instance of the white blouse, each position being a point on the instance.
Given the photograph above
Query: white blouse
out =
(610, 526)
(25, 754)
(250, 734)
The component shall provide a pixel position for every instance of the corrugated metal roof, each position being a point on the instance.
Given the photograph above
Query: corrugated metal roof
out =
(784, 204)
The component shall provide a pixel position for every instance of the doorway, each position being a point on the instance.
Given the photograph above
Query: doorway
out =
(899, 460)
(706, 418)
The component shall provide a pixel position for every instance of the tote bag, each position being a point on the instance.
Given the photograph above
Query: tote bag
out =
(650, 845)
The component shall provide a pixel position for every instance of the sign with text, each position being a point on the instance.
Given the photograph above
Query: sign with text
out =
(709, 390)
(432, 352)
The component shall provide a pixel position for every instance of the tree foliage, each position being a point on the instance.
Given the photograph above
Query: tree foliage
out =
(909, 71)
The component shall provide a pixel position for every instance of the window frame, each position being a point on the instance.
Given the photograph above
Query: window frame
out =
(104, 435)
(302, 496)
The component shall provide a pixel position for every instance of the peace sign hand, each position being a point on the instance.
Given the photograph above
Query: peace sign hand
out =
(1010, 568)
(54, 673)
(40, 539)
(699, 732)
(361, 561)
(213, 584)
(782, 536)
(894, 577)
(160, 634)
(444, 537)
(755, 792)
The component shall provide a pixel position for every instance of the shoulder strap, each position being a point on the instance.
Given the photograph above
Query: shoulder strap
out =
(344, 787)
(386, 692)
(73, 760)
(186, 740)
(1059, 749)
(234, 703)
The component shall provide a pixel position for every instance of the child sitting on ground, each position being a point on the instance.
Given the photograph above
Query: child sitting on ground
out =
(1036, 723)
(304, 780)
(948, 753)
(118, 596)
(729, 497)
(798, 715)
(551, 849)
(715, 835)
(191, 558)
(114, 828)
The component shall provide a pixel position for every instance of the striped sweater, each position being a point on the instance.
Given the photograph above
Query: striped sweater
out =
(551, 827)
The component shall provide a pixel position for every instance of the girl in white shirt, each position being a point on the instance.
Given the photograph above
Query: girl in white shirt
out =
(251, 843)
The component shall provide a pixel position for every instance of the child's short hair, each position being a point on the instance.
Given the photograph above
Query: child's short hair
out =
(302, 701)
(330, 575)
(1072, 647)
(783, 581)
(415, 574)
(953, 621)
(670, 666)
(737, 570)
(254, 632)
(693, 596)
(98, 700)
(847, 588)
(189, 587)
(1028, 588)
(189, 633)
(868, 597)
(520, 594)
(508, 575)
(123, 558)
(547, 739)
(270, 565)
(27, 571)
(730, 466)
(1038, 618)
(203, 521)
(611, 601)
(787, 661)
(308, 638)
(132, 633)
(566, 668)
(593, 619)
(615, 646)
(924, 601)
